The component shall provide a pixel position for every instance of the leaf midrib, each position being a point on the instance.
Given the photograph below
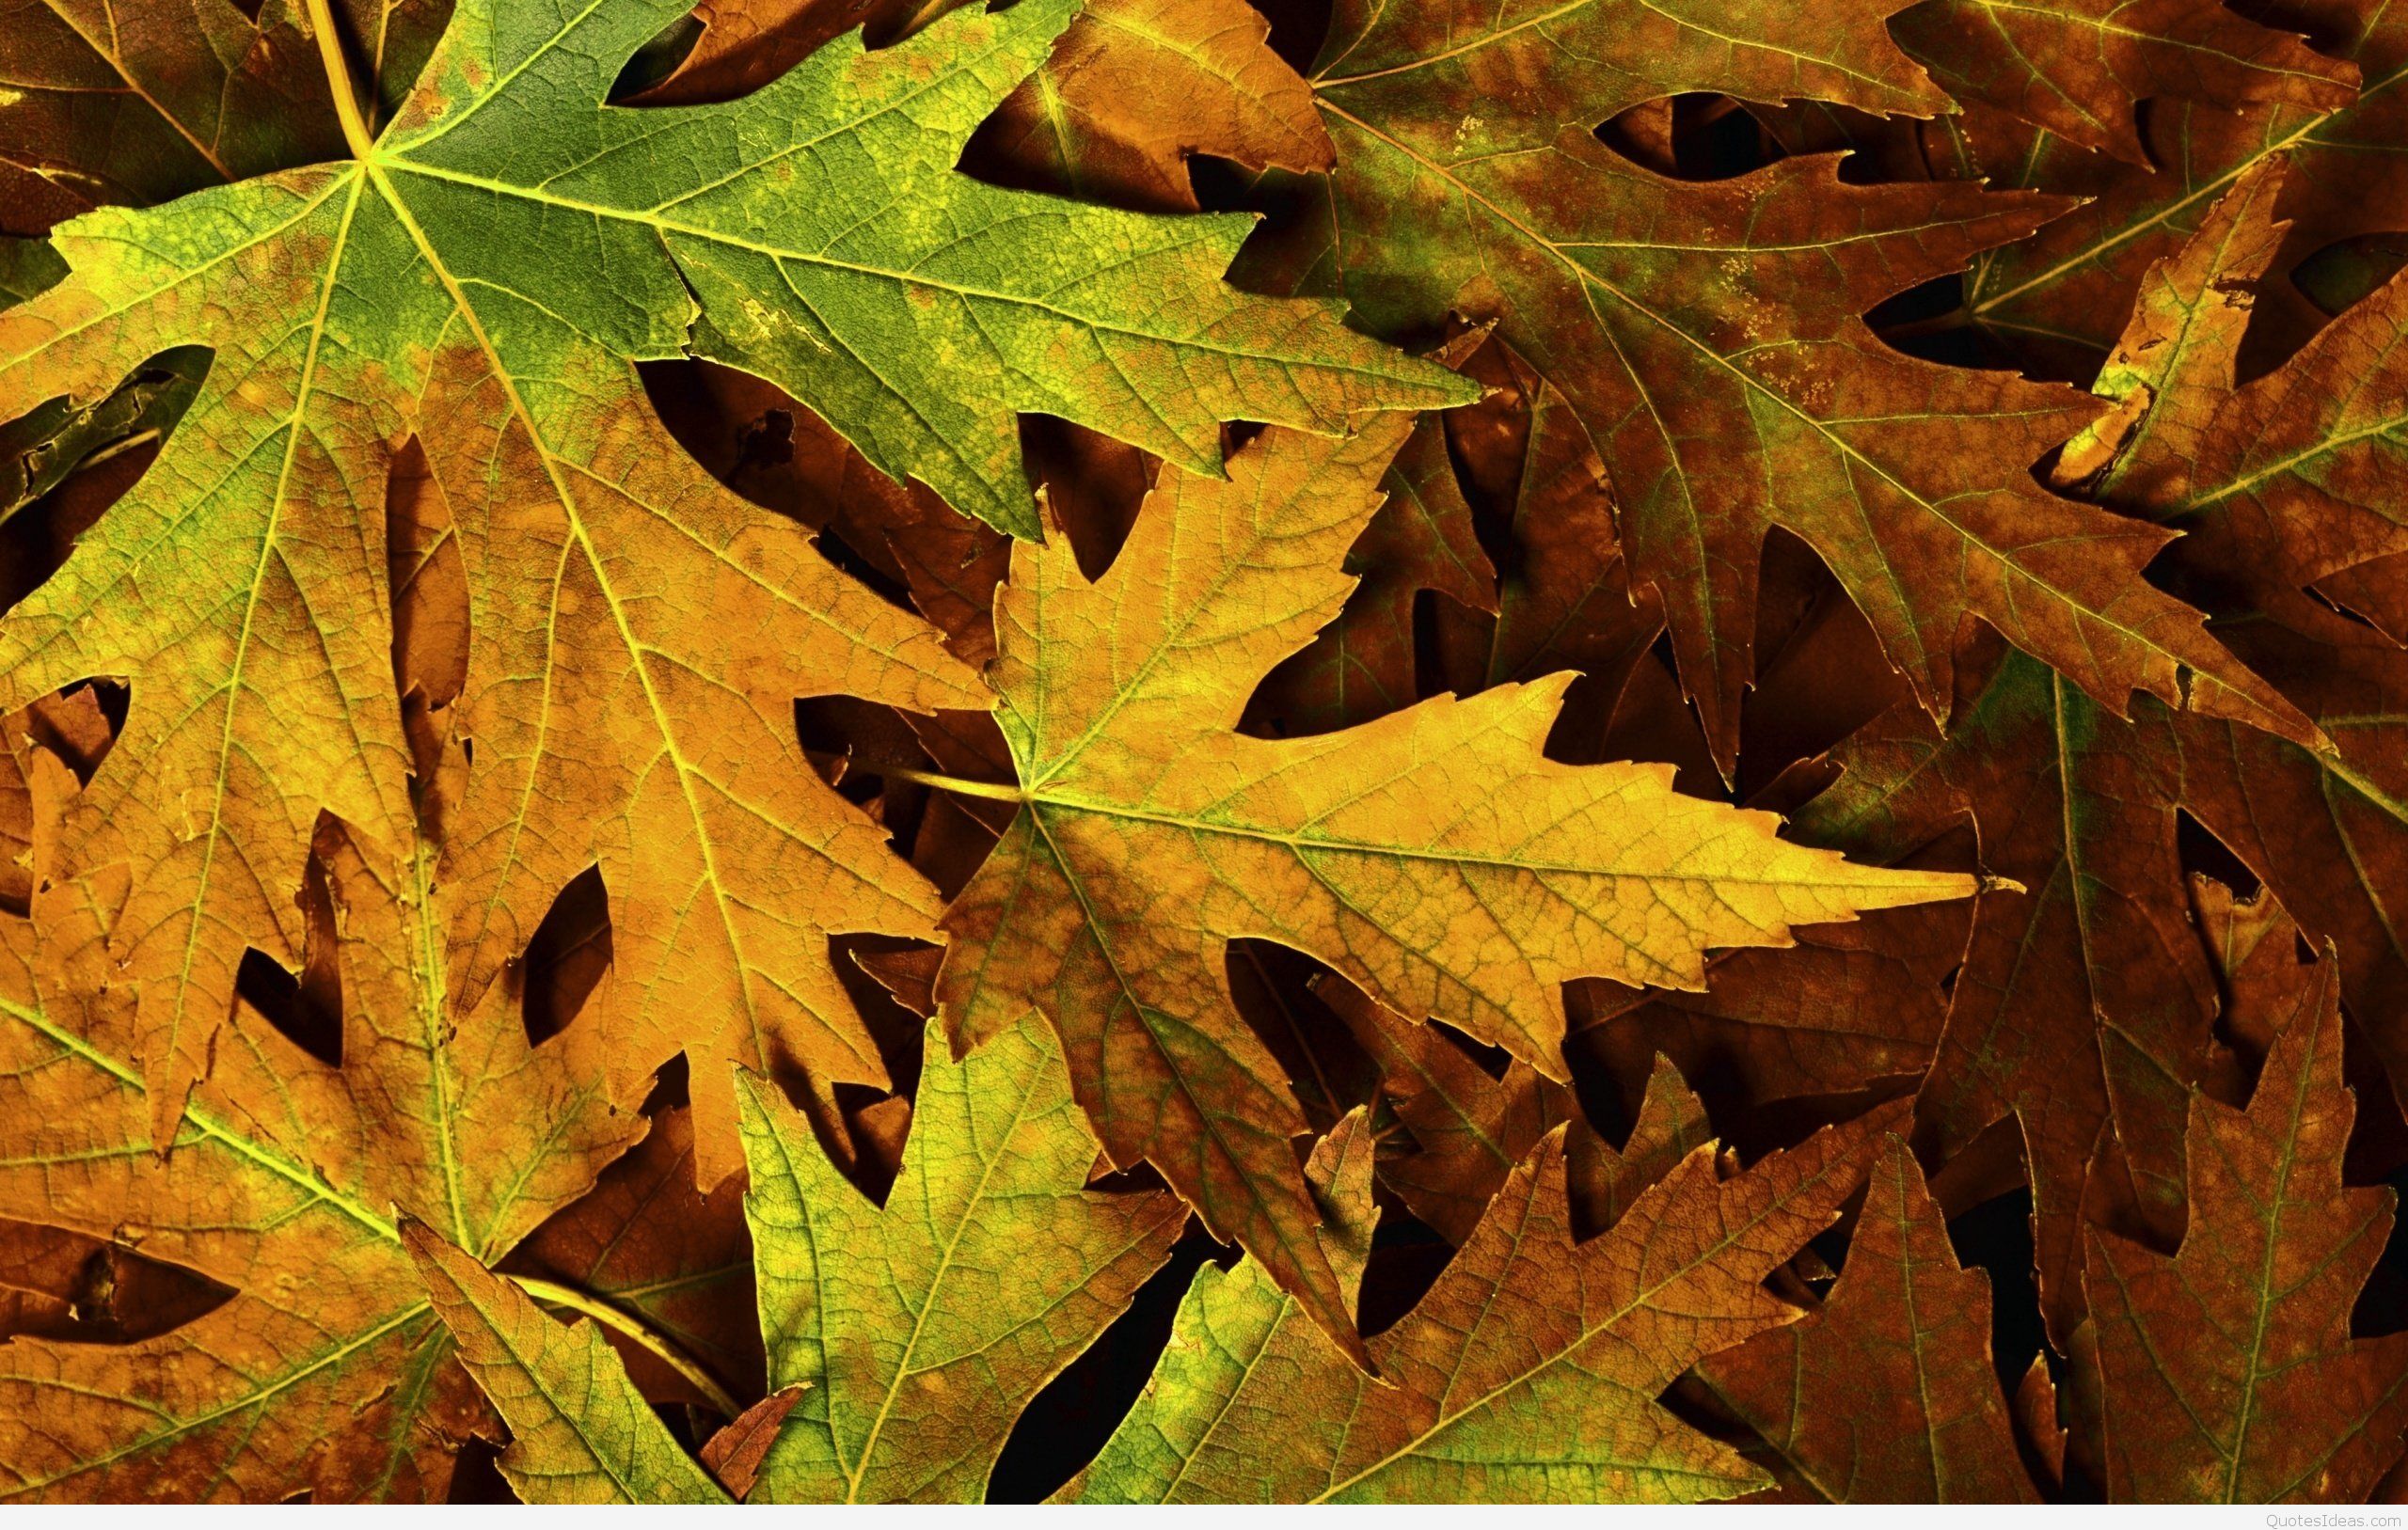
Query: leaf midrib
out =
(800, 257)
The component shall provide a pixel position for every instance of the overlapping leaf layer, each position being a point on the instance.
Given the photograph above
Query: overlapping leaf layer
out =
(854, 750)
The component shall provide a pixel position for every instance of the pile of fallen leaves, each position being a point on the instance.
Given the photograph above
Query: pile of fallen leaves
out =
(866, 749)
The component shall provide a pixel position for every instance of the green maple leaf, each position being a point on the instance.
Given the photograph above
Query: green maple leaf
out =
(484, 274)
(915, 1334)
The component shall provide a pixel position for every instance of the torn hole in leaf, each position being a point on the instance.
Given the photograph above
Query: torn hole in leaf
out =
(57, 1284)
(306, 1008)
(567, 957)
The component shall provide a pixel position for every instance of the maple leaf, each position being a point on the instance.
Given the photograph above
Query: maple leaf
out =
(2085, 1004)
(1136, 86)
(2299, 466)
(1468, 1131)
(2328, 831)
(2281, 482)
(640, 634)
(2080, 69)
(1434, 858)
(2086, 1010)
(1885, 1393)
(323, 1369)
(915, 1333)
(140, 104)
(581, 1432)
(1723, 368)
(2073, 283)
(1529, 1373)
(141, 110)
(2229, 1371)
(989, 1257)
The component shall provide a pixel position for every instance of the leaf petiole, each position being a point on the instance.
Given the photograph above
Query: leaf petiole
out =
(355, 127)
(552, 1293)
(991, 790)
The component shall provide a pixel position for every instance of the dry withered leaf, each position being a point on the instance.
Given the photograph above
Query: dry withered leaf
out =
(1724, 371)
(1434, 858)
(2085, 1004)
(2299, 469)
(2071, 287)
(2080, 68)
(2227, 1367)
(1529, 1373)
(1886, 1393)
(1136, 87)
(1468, 1131)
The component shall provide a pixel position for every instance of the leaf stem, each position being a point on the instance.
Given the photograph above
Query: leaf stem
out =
(338, 69)
(655, 1344)
(945, 783)
(851, 765)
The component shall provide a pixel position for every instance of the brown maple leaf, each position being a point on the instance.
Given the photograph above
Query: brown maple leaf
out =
(1708, 336)
(2079, 67)
(2063, 294)
(2084, 1006)
(2299, 469)
(1136, 86)
(2227, 1367)
(1886, 1393)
